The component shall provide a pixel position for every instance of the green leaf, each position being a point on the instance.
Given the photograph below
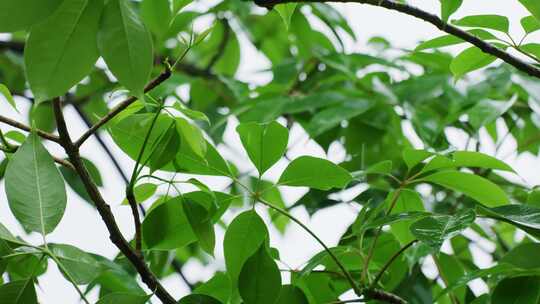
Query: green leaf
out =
(331, 117)
(286, 11)
(525, 217)
(126, 45)
(201, 223)
(523, 256)
(531, 48)
(62, 50)
(218, 287)
(156, 14)
(264, 143)
(448, 40)
(383, 167)
(198, 299)
(313, 172)
(494, 22)
(530, 24)
(192, 135)
(142, 193)
(165, 149)
(79, 265)
(260, 279)
(35, 189)
(408, 201)
(123, 298)
(7, 94)
(243, 238)
(18, 292)
(469, 60)
(448, 7)
(523, 290)
(476, 187)
(17, 15)
(479, 160)
(533, 7)
(291, 294)
(166, 226)
(413, 157)
(487, 111)
(75, 182)
(433, 230)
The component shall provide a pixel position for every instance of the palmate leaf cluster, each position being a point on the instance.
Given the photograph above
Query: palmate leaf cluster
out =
(425, 200)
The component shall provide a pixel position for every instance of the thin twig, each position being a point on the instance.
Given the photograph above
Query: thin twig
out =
(21, 126)
(390, 261)
(57, 160)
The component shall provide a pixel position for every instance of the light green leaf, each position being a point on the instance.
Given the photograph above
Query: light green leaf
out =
(479, 160)
(407, 202)
(123, 298)
(18, 292)
(533, 7)
(413, 157)
(195, 115)
(333, 116)
(179, 4)
(166, 226)
(260, 279)
(34, 187)
(530, 24)
(201, 223)
(433, 230)
(313, 172)
(525, 217)
(494, 22)
(469, 60)
(156, 15)
(448, 7)
(383, 167)
(286, 11)
(126, 45)
(476, 187)
(218, 287)
(7, 94)
(62, 50)
(448, 40)
(79, 265)
(198, 299)
(487, 111)
(17, 15)
(142, 193)
(165, 149)
(243, 238)
(265, 143)
(522, 290)
(531, 48)
(291, 294)
(191, 135)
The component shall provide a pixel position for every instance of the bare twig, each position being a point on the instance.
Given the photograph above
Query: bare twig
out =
(390, 261)
(57, 160)
(21, 126)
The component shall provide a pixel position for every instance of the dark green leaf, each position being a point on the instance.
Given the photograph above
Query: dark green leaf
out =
(524, 217)
(18, 292)
(318, 173)
(123, 298)
(286, 10)
(156, 15)
(218, 287)
(523, 290)
(433, 230)
(291, 294)
(16, 15)
(198, 299)
(201, 223)
(260, 279)
(80, 266)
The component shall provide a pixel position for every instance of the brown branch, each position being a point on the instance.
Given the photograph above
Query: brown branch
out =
(104, 210)
(136, 218)
(436, 21)
(57, 160)
(21, 126)
(381, 295)
(122, 106)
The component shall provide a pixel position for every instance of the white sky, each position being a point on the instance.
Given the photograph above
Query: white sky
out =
(81, 226)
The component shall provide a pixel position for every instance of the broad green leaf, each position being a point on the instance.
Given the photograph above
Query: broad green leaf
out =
(34, 187)
(523, 256)
(523, 290)
(201, 223)
(62, 50)
(218, 287)
(408, 201)
(198, 299)
(438, 162)
(212, 163)
(448, 40)
(265, 143)
(123, 298)
(383, 167)
(7, 95)
(165, 149)
(286, 11)
(79, 265)
(533, 7)
(126, 45)
(16, 15)
(313, 172)
(192, 136)
(166, 226)
(452, 270)
(532, 48)
(179, 4)
(413, 157)
(479, 160)
(476, 187)
(525, 217)
(260, 279)
(156, 14)
(142, 193)
(530, 24)
(291, 294)
(18, 292)
(243, 238)
(494, 22)
(469, 60)
(487, 111)
(448, 7)
(433, 230)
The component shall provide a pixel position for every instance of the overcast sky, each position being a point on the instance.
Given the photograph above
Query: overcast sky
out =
(81, 226)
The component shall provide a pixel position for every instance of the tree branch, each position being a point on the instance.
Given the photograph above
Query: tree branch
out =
(21, 126)
(436, 21)
(136, 218)
(57, 160)
(105, 212)
(122, 106)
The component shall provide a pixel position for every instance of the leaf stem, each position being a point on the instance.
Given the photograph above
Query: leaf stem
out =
(390, 261)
